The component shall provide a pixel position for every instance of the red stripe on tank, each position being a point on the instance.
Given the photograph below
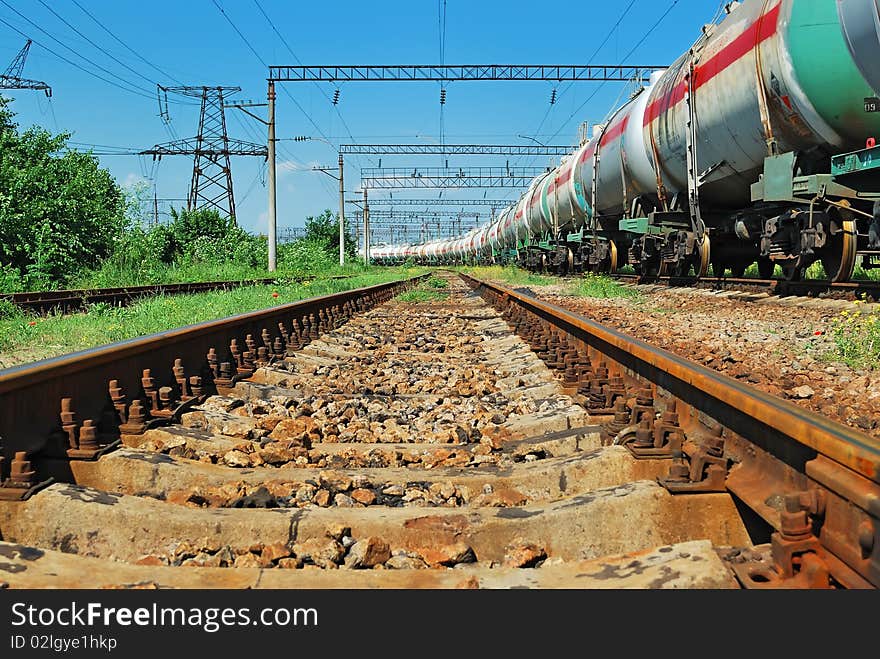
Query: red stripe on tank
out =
(615, 131)
(762, 29)
(588, 153)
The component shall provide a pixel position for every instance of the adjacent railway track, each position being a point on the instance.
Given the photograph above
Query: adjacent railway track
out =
(779, 287)
(43, 302)
(493, 437)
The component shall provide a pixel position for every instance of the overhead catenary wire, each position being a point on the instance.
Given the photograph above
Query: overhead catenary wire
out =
(74, 64)
(100, 48)
(122, 80)
(638, 43)
(263, 62)
(589, 61)
(125, 45)
(334, 100)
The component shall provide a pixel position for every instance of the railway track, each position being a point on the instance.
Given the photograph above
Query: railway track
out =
(65, 301)
(482, 439)
(851, 290)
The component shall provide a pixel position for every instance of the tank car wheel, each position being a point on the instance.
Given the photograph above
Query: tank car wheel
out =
(838, 257)
(612, 258)
(701, 264)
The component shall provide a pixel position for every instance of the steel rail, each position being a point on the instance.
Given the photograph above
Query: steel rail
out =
(780, 287)
(31, 394)
(70, 299)
(777, 447)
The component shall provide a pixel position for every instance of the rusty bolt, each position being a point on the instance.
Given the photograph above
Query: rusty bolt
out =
(794, 520)
(88, 436)
(813, 501)
(21, 472)
(212, 362)
(645, 396)
(147, 380)
(136, 414)
(67, 414)
(644, 433)
(679, 471)
(165, 397)
(195, 385)
(115, 391)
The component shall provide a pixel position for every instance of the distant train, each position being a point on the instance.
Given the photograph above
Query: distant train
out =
(757, 145)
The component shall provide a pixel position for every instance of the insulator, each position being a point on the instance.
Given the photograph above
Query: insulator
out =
(335, 97)
(553, 97)
(442, 97)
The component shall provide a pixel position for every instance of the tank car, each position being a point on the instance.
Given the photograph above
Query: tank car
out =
(756, 146)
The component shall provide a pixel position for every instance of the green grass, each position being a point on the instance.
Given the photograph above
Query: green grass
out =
(429, 290)
(509, 274)
(420, 294)
(160, 273)
(24, 337)
(590, 285)
(586, 285)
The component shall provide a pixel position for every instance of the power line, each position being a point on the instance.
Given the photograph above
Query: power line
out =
(73, 64)
(589, 61)
(95, 64)
(293, 54)
(262, 61)
(107, 53)
(639, 42)
(125, 45)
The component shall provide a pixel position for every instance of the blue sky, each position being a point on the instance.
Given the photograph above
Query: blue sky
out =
(191, 41)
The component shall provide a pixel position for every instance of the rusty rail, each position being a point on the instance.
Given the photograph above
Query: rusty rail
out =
(76, 406)
(43, 302)
(811, 479)
(778, 287)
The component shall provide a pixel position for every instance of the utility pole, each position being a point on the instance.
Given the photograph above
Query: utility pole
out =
(273, 246)
(366, 230)
(341, 212)
(11, 77)
(211, 185)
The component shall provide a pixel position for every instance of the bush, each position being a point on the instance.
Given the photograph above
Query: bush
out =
(59, 211)
(306, 256)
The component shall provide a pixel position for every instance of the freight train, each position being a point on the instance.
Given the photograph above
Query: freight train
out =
(756, 146)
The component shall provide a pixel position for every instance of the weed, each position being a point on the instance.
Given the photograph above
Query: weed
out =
(856, 335)
(420, 294)
(591, 285)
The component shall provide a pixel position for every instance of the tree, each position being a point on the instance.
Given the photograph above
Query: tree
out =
(324, 230)
(59, 211)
